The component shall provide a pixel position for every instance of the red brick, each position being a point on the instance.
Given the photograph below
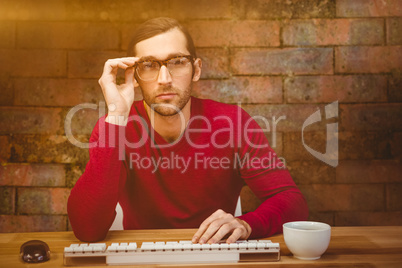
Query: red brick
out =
(32, 175)
(364, 145)
(309, 172)
(369, 171)
(7, 200)
(122, 10)
(89, 64)
(5, 149)
(368, 59)
(33, 63)
(396, 145)
(214, 33)
(73, 173)
(56, 92)
(344, 197)
(47, 149)
(215, 62)
(273, 9)
(73, 35)
(323, 32)
(33, 10)
(348, 88)
(234, 33)
(255, 33)
(359, 218)
(394, 197)
(42, 200)
(275, 140)
(394, 29)
(295, 114)
(246, 90)
(7, 34)
(395, 86)
(327, 217)
(368, 8)
(7, 90)
(33, 223)
(205, 9)
(282, 61)
(30, 120)
(83, 119)
(359, 117)
(294, 149)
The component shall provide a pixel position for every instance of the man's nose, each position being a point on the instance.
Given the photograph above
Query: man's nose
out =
(164, 76)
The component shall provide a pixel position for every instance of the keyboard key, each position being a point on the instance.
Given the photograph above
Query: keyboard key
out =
(69, 249)
(196, 246)
(132, 246)
(215, 246)
(233, 246)
(121, 248)
(111, 249)
(102, 246)
(178, 247)
(243, 245)
(224, 246)
(252, 245)
(205, 246)
(78, 249)
(187, 246)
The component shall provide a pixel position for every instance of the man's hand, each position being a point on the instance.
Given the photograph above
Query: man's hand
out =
(219, 225)
(119, 98)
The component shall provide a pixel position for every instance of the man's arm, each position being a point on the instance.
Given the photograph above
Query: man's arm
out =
(92, 202)
(281, 200)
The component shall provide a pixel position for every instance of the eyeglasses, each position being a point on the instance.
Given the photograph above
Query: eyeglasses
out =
(148, 70)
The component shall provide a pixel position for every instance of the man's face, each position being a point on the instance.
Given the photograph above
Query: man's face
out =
(166, 91)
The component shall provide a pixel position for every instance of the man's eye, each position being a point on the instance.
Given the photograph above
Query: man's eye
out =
(149, 65)
(178, 61)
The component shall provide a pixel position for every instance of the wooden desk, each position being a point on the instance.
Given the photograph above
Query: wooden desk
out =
(349, 247)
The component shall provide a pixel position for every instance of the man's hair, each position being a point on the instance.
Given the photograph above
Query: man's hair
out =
(157, 26)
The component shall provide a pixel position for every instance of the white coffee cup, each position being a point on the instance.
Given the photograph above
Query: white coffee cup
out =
(307, 240)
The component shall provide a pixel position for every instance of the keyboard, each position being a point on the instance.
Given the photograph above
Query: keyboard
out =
(172, 252)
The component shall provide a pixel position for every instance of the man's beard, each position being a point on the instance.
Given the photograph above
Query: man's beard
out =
(168, 107)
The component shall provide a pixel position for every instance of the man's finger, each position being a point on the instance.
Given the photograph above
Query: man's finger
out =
(223, 230)
(129, 76)
(204, 225)
(237, 233)
(112, 65)
(212, 230)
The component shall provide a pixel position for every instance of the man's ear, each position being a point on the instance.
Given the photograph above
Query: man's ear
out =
(197, 69)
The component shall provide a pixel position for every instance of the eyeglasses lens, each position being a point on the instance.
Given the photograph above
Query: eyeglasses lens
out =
(149, 70)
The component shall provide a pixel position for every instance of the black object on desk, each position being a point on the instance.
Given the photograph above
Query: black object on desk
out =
(35, 251)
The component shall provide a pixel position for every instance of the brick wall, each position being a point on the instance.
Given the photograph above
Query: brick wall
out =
(278, 58)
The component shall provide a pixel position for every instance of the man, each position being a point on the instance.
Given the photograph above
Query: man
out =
(175, 161)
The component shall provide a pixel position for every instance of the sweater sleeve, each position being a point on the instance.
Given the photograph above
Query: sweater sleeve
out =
(268, 178)
(92, 201)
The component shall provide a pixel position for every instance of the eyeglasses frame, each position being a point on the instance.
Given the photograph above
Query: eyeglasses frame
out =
(162, 63)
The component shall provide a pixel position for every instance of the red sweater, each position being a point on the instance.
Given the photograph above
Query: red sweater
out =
(162, 185)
